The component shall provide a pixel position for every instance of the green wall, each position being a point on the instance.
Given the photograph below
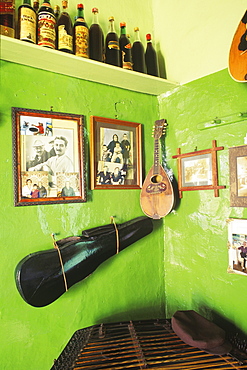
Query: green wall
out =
(195, 236)
(128, 286)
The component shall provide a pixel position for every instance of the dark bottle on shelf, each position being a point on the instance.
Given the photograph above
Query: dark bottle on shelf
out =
(46, 25)
(64, 31)
(56, 11)
(96, 39)
(81, 34)
(27, 22)
(125, 48)
(138, 54)
(112, 50)
(7, 18)
(36, 5)
(151, 58)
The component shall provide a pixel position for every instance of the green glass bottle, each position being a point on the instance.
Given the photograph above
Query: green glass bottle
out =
(81, 34)
(46, 25)
(27, 22)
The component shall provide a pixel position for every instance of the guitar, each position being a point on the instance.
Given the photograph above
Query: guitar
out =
(238, 52)
(157, 195)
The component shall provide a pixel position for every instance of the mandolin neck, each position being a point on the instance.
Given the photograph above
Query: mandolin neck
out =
(156, 157)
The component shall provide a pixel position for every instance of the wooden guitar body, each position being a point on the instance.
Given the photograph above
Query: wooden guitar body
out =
(157, 196)
(238, 52)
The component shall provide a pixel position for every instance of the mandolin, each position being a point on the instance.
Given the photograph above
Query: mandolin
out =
(157, 195)
(238, 52)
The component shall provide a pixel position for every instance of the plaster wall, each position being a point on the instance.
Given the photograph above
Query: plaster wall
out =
(125, 287)
(196, 234)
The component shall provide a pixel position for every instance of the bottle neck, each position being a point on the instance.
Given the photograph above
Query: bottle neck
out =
(95, 18)
(123, 31)
(137, 35)
(28, 2)
(80, 13)
(111, 26)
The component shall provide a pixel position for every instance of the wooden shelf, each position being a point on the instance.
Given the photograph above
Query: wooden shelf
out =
(16, 51)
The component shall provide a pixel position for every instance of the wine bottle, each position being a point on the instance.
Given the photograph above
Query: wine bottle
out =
(36, 5)
(56, 11)
(96, 39)
(46, 25)
(125, 48)
(64, 31)
(7, 18)
(138, 54)
(81, 34)
(151, 58)
(112, 50)
(27, 22)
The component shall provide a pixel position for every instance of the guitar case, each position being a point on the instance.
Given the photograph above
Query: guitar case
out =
(39, 276)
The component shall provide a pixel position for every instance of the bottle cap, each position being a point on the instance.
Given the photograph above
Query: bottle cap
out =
(148, 36)
(95, 10)
(136, 29)
(64, 4)
(56, 8)
(80, 6)
(122, 24)
(111, 18)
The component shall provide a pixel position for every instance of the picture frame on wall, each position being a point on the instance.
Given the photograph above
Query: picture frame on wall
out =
(238, 176)
(48, 157)
(198, 170)
(115, 151)
(237, 246)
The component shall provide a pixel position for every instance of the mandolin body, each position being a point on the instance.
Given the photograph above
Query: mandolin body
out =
(39, 277)
(157, 195)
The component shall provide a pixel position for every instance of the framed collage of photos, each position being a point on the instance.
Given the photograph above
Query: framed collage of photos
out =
(48, 156)
(115, 151)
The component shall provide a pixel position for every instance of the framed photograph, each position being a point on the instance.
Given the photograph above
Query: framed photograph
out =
(116, 160)
(198, 170)
(238, 176)
(48, 157)
(237, 246)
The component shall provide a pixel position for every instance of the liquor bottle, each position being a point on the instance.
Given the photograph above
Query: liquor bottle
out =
(7, 18)
(64, 31)
(56, 11)
(46, 25)
(36, 5)
(27, 22)
(81, 34)
(112, 50)
(125, 48)
(138, 54)
(151, 58)
(96, 39)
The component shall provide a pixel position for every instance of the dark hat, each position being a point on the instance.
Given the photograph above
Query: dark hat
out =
(199, 332)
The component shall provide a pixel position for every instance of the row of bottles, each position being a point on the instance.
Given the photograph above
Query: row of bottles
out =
(44, 26)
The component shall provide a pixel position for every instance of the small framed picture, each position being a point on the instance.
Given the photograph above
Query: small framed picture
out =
(198, 170)
(238, 176)
(237, 246)
(116, 160)
(48, 157)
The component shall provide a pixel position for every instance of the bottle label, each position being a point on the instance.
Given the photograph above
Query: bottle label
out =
(65, 41)
(81, 41)
(128, 46)
(27, 25)
(113, 45)
(46, 29)
(127, 65)
(7, 7)
(7, 31)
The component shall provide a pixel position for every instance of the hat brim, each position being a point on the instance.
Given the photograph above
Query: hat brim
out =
(223, 349)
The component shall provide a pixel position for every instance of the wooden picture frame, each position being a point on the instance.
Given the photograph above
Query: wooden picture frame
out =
(238, 176)
(115, 150)
(198, 170)
(48, 157)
